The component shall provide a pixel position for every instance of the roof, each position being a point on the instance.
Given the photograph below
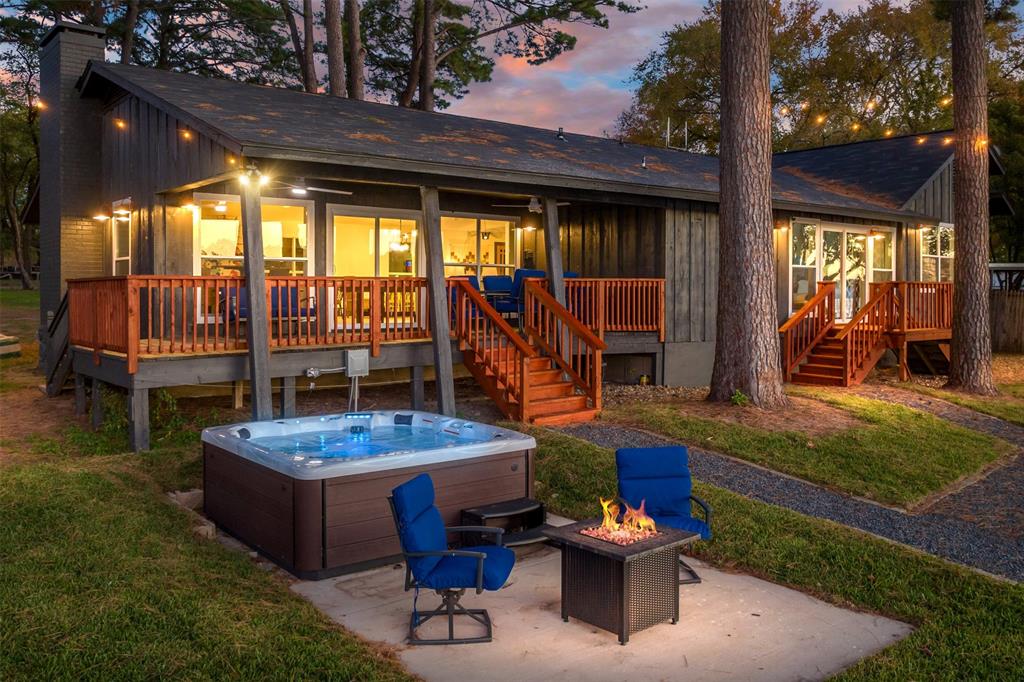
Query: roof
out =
(267, 122)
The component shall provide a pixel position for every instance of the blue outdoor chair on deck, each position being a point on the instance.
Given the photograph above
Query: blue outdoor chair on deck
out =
(450, 572)
(497, 284)
(660, 478)
(456, 295)
(513, 304)
(235, 301)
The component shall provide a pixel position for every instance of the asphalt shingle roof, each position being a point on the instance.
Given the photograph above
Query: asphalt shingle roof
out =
(290, 121)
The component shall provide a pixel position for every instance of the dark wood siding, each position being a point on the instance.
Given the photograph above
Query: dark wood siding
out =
(935, 198)
(145, 156)
(610, 240)
(689, 262)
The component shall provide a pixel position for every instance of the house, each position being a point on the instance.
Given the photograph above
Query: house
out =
(153, 182)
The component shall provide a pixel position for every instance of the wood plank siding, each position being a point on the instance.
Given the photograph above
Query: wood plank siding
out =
(935, 198)
(146, 150)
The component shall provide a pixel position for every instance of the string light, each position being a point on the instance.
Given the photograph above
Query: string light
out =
(947, 140)
(804, 106)
(819, 119)
(888, 133)
(39, 104)
(982, 141)
(921, 140)
(855, 127)
(946, 101)
(784, 110)
(870, 106)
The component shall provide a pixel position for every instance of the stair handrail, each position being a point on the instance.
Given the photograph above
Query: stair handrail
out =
(866, 329)
(807, 326)
(574, 348)
(477, 326)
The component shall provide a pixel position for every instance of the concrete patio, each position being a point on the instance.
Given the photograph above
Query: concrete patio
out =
(732, 627)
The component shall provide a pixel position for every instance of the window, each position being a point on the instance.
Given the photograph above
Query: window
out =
(882, 262)
(121, 238)
(373, 246)
(477, 246)
(285, 237)
(804, 263)
(937, 254)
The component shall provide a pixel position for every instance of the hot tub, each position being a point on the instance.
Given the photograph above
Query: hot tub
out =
(311, 493)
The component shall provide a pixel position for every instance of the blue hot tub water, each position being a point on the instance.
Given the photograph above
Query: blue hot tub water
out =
(370, 442)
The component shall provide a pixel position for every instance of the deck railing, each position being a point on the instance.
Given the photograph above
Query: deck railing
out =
(497, 353)
(574, 348)
(923, 305)
(618, 305)
(159, 315)
(807, 327)
(862, 336)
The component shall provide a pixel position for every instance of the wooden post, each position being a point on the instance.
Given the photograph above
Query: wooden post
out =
(553, 250)
(439, 322)
(416, 391)
(287, 397)
(256, 331)
(237, 395)
(138, 413)
(79, 394)
(97, 403)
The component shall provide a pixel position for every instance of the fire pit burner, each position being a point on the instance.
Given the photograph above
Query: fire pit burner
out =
(619, 588)
(621, 538)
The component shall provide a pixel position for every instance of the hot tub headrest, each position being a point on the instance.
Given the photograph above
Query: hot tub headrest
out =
(403, 419)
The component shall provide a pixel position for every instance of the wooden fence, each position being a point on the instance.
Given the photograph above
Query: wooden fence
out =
(1007, 320)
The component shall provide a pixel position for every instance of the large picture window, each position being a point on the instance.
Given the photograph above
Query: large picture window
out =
(804, 261)
(286, 237)
(937, 254)
(373, 246)
(478, 246)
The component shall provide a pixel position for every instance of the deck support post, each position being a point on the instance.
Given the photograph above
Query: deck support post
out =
(138, 414)
(416, 392)
(553, 250)
(237, 395)
(96, 403)
(79, 394)
(438, 295)
(257, 331)
(287, 397)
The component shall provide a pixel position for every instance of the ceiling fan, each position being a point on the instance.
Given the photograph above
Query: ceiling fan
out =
(534, 206)
(300, 188)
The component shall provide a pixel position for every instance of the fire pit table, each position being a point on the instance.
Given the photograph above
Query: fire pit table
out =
(619, 588)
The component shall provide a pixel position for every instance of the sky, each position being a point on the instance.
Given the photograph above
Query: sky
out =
(584, 90)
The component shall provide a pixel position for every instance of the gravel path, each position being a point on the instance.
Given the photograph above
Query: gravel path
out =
(996, 502)
(950, 537)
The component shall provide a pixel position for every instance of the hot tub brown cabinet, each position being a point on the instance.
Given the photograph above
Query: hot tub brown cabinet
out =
(319, 528)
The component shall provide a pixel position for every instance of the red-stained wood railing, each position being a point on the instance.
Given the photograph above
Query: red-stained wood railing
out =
(924, 305)
(807, 327)
(618, 305)
(566, 339)
(165, 315)
(864, 335)
(496, 355)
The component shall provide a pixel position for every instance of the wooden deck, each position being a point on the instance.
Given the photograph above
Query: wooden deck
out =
(901, 316)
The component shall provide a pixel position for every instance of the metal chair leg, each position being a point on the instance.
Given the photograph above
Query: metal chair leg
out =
(450, 608)
(694, 579)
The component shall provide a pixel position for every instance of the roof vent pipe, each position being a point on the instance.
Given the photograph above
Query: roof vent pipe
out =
(561, 134)
(643, 162)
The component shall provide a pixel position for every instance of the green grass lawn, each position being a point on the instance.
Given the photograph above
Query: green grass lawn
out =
(897, 456)
(102, 578)
(969, 627)
(1008, 405)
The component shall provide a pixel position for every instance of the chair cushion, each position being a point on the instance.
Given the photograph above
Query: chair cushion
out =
(420, 527)
(683, 523)
(659, 476)
(506, 306)
(460, 571)
(497, 283)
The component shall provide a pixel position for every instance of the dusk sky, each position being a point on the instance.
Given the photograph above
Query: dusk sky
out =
(584, 90)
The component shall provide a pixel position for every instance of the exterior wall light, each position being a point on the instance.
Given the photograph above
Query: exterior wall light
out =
(120, 124)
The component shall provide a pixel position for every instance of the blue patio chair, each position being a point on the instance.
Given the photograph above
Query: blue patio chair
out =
(457, 294)
(660, 478)
(236, 301)
(500, 284)
(570, 275)
(449, 572)
(515, 302)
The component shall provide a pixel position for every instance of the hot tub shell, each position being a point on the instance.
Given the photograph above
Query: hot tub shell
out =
(326, 519)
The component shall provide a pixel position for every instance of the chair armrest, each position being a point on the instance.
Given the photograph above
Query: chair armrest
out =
(703, 505)
(479, 529)
(479, 556)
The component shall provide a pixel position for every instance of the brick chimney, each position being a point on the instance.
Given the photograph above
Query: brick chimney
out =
(70, 241)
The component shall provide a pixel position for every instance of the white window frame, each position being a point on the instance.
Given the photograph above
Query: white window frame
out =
(515, 246)
(821, 226)
(309, 204)
(939, 258)
(377, 214)
(120, 205)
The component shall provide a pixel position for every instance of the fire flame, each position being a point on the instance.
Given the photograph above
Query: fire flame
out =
(633, 520)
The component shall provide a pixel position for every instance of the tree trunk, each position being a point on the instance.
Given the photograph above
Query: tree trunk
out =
(970, 367)
(428, 66)
(412, 83)
(356, 51)
(747, 341)
(20, 246)
(335, 50)
(131, 20)
(297, 45)
(307, 48)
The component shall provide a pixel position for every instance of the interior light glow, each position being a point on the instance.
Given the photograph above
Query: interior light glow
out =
(189, 206)
(100, 216)
(221, 207)
(121, 211)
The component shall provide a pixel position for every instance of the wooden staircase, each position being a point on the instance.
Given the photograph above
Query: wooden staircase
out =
(825, 362)
(550, 375)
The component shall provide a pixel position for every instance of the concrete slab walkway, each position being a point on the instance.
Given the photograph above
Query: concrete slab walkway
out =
(732, 627)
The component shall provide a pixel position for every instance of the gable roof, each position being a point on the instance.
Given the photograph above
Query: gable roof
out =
(891, 169)
(268, 122)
